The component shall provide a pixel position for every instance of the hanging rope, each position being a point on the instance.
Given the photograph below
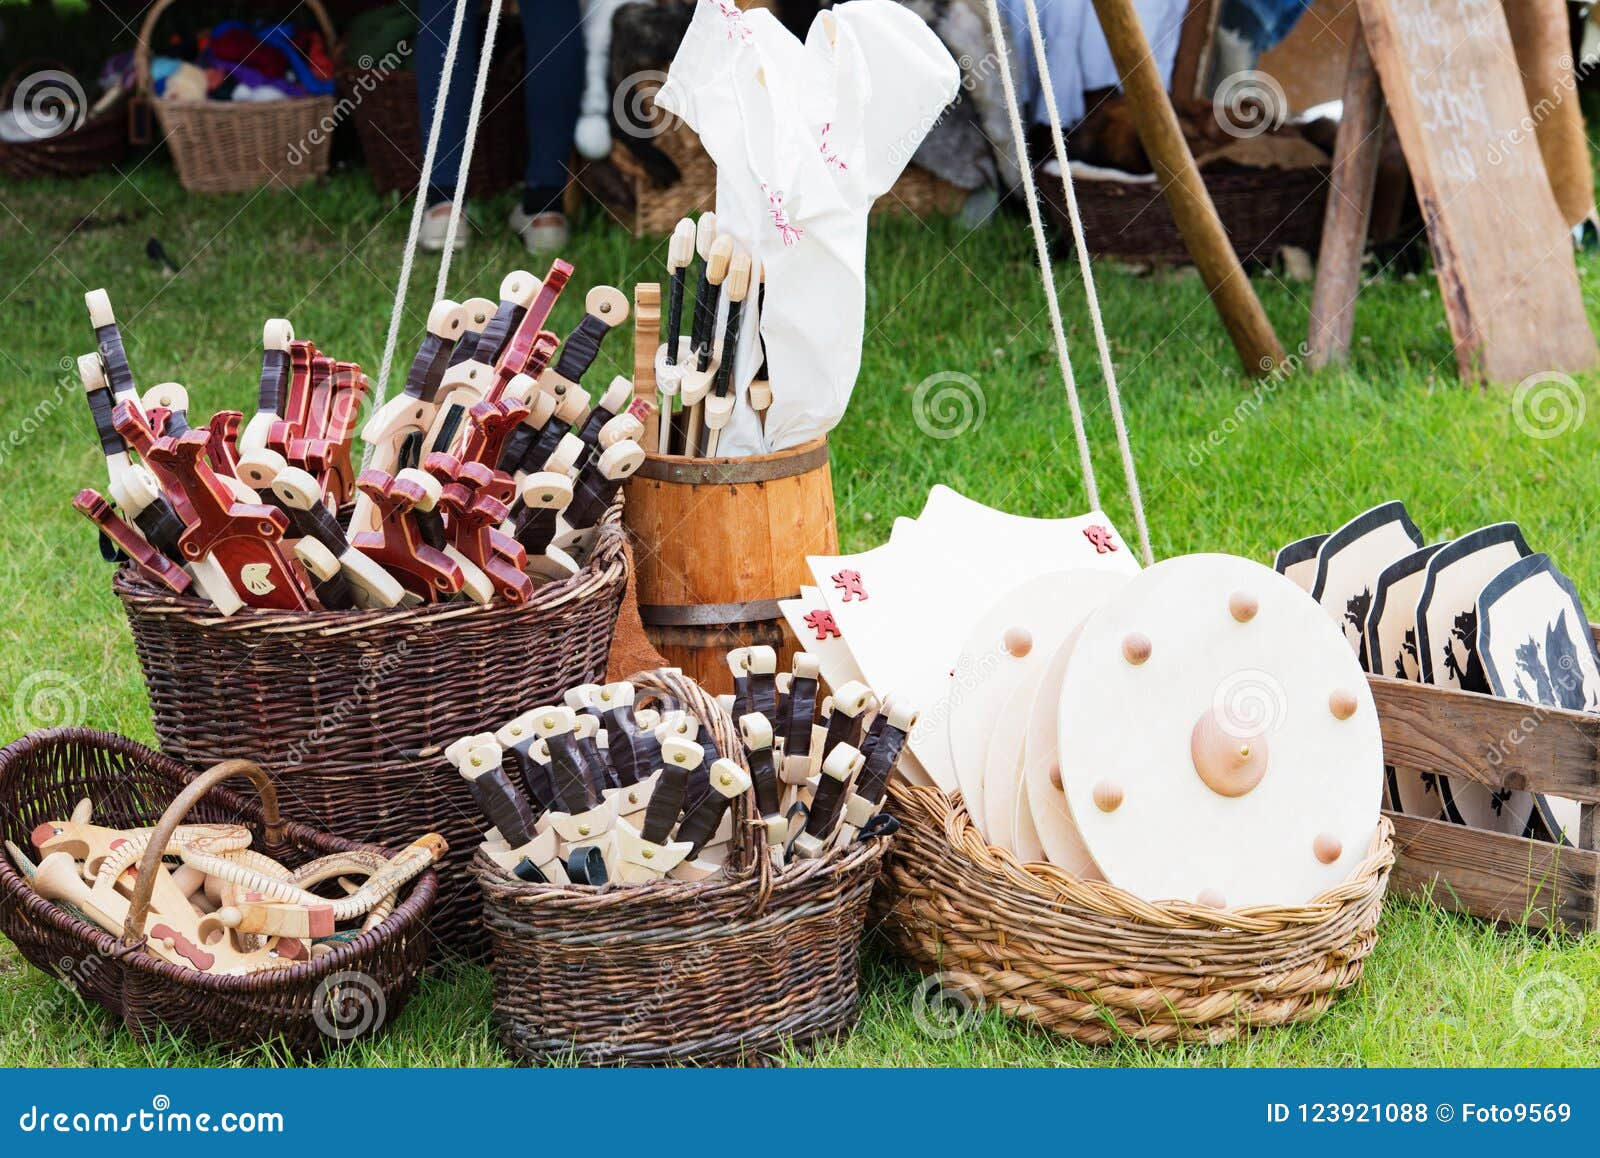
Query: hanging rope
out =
(417, 209)
(479, 85)
(1130, 473)
(1046, 273)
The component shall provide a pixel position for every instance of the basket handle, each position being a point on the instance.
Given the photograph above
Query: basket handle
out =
(141, 47)
(177, 812)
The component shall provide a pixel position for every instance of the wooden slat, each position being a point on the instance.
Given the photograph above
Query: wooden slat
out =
(1496, 877)
(1501, 743)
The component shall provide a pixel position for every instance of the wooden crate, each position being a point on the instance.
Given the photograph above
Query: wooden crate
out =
(1504, 744)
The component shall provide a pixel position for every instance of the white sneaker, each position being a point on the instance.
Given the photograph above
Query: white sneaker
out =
(540, 232)
(436, 226)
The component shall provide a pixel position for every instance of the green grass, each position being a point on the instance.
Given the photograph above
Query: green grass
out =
(1300, 457)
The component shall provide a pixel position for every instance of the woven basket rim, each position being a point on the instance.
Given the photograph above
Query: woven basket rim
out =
(502, 887)
(150, 599)
(408, 915)
(1056, 886)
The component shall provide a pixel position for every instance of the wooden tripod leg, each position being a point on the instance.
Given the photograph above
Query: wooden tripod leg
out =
(1356, 152)
(1185, 192)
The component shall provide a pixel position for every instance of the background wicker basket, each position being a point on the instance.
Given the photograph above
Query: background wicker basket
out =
(385, 111)
(99, 143)
(727, 971)
(1098, 964)
(1262, 210)
(631, 193)
(231, 146)
(44, 774)
(350, 711)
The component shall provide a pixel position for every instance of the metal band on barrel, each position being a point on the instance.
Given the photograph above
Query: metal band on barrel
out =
(709, 614)
(676, 469)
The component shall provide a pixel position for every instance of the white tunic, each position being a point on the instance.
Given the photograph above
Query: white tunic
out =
(805, 138)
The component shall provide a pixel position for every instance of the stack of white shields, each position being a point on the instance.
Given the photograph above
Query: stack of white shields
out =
(1198, 731)
(898, 616)
(1480, 613)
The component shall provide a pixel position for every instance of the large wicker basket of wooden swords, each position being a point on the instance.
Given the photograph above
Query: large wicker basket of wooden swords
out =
(341, 628)
(666, 887)
(183, 907)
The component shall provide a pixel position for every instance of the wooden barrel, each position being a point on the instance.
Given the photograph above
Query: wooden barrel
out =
(717, 542)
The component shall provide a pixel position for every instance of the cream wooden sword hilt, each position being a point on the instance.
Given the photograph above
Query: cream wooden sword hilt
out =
(598, 486)
(276, 335)
(543, 496)
(680, 252)
(705, 299)
(532, 758)
(585, 817)
(571, 404)
(604, 309)
(414, 408)
(894, 724)
(720, 402)
(108, 338)
(174, 399)
(759, 395)
(632, 748)
(798, 718)
(524, 850)
(841, 765)
(648, 853)
(541, 408)
(517, 291)
(301, 496)
(133, 487)
(614, 402)
(756, 731)
(699, 826)
(846, 710)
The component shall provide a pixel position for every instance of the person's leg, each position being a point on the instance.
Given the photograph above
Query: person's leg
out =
(552, 90)
(435, 18)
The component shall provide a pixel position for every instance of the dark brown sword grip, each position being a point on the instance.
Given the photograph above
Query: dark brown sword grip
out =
(581, 348)
(666, 802)
(825, 807)
(504, 806)
(700, 824)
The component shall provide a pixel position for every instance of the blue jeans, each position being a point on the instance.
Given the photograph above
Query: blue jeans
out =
(552, 87)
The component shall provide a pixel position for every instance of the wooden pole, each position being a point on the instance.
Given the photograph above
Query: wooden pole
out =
(1356, 152)
(1192, 210)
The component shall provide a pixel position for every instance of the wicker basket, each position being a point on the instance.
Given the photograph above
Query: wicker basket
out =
(349, 711)
(233, 147)
(1097, 964)
(99, 143)
(727, 971)
(1262, 211)
(385, 110)
(631, 194)
(308, 1007)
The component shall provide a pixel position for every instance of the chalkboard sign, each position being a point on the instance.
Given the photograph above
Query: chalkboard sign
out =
(1503, 252)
